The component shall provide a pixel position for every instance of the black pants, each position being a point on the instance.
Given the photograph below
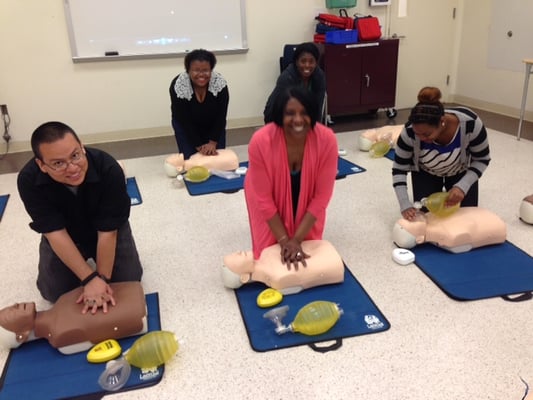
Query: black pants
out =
(425, 184)
(55, 278)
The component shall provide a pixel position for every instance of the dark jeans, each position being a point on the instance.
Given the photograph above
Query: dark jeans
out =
(55, 278)
(425, 184)
(183, 142)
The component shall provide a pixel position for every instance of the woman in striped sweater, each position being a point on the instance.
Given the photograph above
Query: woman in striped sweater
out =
(444, 149)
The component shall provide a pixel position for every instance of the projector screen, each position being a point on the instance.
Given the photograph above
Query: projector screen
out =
(117, 29)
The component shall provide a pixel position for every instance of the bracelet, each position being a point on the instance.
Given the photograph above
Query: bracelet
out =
(102, 277)
(89, 278)
(282, 238)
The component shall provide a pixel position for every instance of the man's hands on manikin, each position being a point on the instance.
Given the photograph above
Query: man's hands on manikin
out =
(97, 293)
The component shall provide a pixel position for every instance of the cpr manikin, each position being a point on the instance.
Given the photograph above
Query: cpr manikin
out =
(526, 209)
(389, 133)
(466, 229)
(324, 266)
(224, 160)
(70, 331)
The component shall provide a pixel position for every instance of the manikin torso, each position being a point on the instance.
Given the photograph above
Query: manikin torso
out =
(225, 160)
(70, 331)
(467, 228)
(324, 266)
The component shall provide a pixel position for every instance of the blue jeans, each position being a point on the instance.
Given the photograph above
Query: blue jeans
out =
(183, 142)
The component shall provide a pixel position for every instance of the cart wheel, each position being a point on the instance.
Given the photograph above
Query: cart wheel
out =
(391, 113)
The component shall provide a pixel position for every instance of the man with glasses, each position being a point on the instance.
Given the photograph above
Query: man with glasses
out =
(77, 199)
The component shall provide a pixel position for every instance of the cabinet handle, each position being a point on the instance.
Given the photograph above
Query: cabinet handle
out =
(367, 78)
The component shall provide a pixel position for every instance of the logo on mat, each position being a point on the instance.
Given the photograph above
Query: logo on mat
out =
(148, 374)
(373, 322)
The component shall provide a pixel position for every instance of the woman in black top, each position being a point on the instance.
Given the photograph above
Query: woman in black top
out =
(199, 103)
(303, 72)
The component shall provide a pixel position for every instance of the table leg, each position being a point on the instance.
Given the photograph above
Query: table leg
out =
(524, 98)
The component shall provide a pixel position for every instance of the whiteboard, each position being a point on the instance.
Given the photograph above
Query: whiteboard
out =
(117, 29)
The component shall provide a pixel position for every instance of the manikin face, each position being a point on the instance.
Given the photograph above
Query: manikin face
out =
(296, 121)
(200, 73)
(240, 262)
(66, 151)
(18, 318)
(407, 234)
(306, 65)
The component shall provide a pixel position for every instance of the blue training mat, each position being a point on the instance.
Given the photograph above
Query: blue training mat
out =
(133, 191)
(361, 316)
(490, 271)
(3, 203)
(38, 371)
(216, 184)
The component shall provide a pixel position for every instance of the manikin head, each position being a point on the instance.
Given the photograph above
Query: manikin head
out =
(407, 234)
(16, 324)
(367, 139)
(526, 209)
(237, 269)
(174, 164)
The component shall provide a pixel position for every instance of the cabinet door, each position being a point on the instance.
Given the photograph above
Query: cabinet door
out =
(342, 66)
(378, 74)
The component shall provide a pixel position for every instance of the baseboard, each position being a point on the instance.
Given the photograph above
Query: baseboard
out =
(491, 107)
(132, 134)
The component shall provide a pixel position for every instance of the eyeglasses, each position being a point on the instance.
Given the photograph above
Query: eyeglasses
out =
(197, 72)
(61, 165)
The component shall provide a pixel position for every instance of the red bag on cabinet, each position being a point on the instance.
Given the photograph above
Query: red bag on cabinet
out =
(341, 21)
(368, 28)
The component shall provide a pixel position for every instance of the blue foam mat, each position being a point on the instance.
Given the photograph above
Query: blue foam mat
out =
(361, 316)
(38, 371)
(133, 191)
(3, 203)
(485, 272)
(216, 184)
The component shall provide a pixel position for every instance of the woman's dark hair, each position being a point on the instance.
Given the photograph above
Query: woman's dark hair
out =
(305, 97)
(307, 47)
(429, 110)
(50, 132)
(200, 55)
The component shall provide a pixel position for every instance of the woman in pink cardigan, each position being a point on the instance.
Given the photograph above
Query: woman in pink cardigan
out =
(291, 173)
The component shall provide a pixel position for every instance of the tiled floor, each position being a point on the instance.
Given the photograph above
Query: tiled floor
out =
(167, 145)
(437, 348)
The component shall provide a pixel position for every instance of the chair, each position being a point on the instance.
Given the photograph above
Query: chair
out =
(288, 55)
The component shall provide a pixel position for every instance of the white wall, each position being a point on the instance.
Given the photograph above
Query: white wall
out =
(476, 84)
(127, 99)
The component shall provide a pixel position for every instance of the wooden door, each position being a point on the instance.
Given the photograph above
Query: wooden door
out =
(342, 65)
(378, 73)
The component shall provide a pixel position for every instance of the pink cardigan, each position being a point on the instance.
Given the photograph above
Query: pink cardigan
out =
(267, 185)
